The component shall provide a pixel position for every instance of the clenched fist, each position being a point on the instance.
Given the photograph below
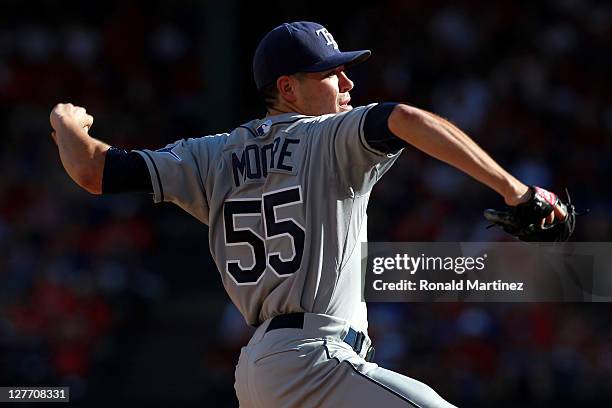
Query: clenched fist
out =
(66, 115)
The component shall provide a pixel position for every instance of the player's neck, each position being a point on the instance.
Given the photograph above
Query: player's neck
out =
(276, 112)
(283, 108)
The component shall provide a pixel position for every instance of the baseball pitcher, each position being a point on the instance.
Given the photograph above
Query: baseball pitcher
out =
(285, 198)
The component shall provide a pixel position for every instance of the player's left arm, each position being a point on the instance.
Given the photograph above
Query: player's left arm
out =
(444, 141)
(92, 164)
(82, 156)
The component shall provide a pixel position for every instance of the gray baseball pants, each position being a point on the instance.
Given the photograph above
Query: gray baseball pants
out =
(313, 367)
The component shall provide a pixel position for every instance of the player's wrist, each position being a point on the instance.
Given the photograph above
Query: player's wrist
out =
(517, 194)
(70, 126)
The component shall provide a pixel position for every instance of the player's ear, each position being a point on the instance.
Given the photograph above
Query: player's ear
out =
(286, 86)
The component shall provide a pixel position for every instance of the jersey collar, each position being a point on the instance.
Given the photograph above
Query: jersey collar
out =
(262, 126)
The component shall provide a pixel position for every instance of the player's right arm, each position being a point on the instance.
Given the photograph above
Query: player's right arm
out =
(82, 156)
(441, 139)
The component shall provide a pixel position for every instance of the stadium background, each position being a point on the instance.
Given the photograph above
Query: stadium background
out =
(120, 300)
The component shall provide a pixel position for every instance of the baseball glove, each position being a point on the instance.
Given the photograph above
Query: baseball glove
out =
(524, 220)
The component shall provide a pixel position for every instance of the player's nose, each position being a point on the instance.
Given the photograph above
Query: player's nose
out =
(345, 83)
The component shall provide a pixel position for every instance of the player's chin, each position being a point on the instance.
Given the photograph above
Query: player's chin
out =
(344, 108)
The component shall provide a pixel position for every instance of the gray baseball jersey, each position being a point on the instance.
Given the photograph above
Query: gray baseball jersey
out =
(285, 198)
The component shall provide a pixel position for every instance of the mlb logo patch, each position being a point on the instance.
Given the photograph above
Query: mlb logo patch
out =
(264, 128)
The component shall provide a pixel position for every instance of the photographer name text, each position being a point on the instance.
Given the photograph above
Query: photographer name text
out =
(453, 285)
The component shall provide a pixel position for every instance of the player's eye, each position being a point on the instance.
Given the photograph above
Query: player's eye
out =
(335, 72)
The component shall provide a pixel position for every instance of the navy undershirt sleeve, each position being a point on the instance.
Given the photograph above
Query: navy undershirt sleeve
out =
(376, 129)
(125, 172)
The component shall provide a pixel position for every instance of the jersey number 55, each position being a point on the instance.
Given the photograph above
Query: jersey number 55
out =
(274, 228)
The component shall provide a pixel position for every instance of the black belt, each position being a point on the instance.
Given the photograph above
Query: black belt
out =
(296, 321)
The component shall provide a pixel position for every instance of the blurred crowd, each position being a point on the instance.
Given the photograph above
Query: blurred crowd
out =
(120, 300)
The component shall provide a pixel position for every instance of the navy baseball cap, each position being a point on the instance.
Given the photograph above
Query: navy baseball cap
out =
(299, 47)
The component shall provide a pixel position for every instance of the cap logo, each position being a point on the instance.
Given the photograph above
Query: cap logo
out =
(328, 37)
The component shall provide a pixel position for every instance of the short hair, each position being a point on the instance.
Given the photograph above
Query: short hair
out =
(269, 93)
